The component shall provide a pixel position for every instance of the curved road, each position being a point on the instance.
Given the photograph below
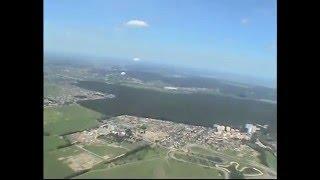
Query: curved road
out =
(232, 158)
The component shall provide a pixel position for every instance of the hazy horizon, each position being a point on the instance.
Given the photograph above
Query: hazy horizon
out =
(240, 78)
(237, 37)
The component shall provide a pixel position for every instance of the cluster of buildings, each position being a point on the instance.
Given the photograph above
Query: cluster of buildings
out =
(71, 94)
(166, 133)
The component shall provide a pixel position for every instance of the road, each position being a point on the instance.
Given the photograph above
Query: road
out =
(232, 158)
(169, 154)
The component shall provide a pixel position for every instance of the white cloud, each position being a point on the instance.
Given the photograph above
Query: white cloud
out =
(136, 59)
(137, 23)
(244, 21)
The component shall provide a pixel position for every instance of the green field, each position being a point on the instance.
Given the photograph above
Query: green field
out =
(230, 152)
(234, 173)
(128, 145)
(51, 90)
(246, 157)
(194, 159)
(271, 160)
(151, 163)
(144, 153)
(200, 150)
(250, 170)
(55, 168)
(154, 168)
(52, 142)
(103, 150)
(60, 120)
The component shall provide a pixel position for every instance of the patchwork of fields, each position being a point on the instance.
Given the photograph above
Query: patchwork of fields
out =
(51, 90)
(61, 162)
(154, 168)
(65, 160)
(58, 153)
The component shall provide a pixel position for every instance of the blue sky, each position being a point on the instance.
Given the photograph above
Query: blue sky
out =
(237, 36)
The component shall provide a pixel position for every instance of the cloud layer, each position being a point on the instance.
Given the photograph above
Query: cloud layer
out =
(137, 23)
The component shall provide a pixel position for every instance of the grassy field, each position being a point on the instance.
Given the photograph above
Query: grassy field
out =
(103, 150)
(234, 173)
(60, 120)
(271, 160)
(53, 167)
(250, 171)
(194, 159)
(245, 158)
(154, 168)
(200, 150)
(249, 156)
(230, 152)
(52, 142)
(145, 153)
(128, 145)
(151, 163)
(51, 90)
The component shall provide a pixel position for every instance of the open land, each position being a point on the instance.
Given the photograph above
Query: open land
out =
(91, 130)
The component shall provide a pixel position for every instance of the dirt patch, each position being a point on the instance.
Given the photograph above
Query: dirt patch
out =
(240, 155)
(82, 161)
(106, 157)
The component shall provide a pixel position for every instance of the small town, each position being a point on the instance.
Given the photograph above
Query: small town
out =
(72, 94)
(165, 133)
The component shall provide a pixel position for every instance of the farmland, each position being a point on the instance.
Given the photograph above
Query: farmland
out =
(271, 160)
(154, 168)
(51, 90)
(105, 150)
(65, 119)
(61, 120)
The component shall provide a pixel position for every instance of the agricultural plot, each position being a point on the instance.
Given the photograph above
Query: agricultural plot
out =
(105, 150)
(53, 168)
(154, 168)
(64, 162)
(237, 166)
(51, 90)
(245, 155)
(200, 150)
(65, 119)
(53, 164)
(271, 160)
(61, 162)
(194, 159)
(144, 153)
(53, 142)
